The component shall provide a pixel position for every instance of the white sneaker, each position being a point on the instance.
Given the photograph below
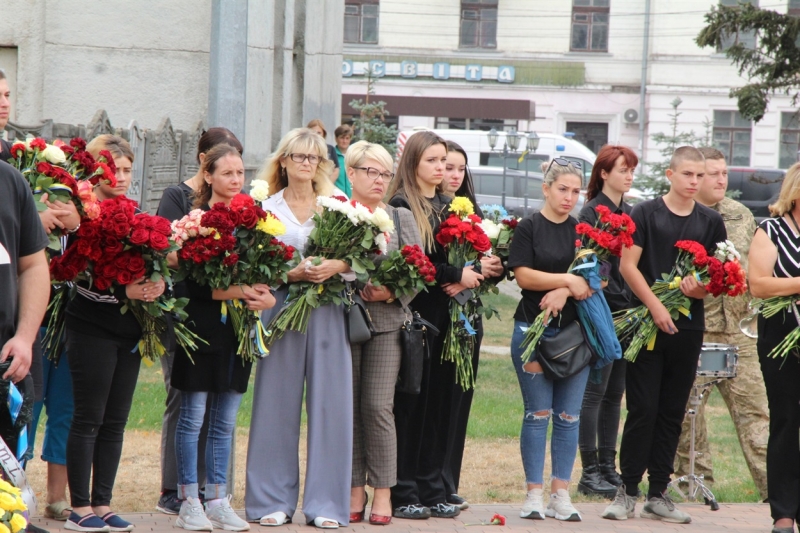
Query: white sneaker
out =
(622, 507)
(560, 507)
(223, 516)
(192, 517)
(533, 507)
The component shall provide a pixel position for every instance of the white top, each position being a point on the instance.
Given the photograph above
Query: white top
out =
(296, 233)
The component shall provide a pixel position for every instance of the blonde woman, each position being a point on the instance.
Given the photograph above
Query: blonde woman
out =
(376, 363)
(317, 362)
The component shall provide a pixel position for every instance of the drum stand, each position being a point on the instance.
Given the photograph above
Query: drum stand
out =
(695, 482)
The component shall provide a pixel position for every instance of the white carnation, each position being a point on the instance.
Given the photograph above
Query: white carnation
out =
(54, 155)
(381, 241)
(259, 190)
(491, 229)
(726, 251)
(382, 220)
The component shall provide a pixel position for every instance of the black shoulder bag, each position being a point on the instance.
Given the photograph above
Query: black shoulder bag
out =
(359, 321)
(566, 354)
(415, 340)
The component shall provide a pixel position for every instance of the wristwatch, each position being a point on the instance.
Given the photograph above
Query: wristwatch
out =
(391, 300)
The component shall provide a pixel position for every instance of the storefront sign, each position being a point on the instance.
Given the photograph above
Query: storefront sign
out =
(437, 71)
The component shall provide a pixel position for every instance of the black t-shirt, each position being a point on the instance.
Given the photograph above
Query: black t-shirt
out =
(176, 202)
(543, 245)
(617, 293)
(21, 234)
(657, 231)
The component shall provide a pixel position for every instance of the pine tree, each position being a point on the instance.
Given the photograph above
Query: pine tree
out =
(371, 123)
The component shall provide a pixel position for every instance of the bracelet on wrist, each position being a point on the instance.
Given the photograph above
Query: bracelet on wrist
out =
(73, 230)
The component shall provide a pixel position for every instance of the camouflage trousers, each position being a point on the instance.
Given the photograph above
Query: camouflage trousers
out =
(746, 399)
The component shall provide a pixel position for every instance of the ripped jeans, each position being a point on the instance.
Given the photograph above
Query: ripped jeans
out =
(543, 398)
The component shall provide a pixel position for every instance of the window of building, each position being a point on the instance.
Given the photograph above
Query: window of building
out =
(478, 24)
(733, 136)
(484, 124)
(361, 21)
(790, 139)
(747, 38)
(590, 25)
(794, 8)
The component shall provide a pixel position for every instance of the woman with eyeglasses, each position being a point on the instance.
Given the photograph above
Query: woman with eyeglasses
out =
(458, 182)
(317, 362)
(376, 363)
(541, 253)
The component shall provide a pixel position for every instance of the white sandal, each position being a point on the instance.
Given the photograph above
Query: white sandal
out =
(320, 523)
(279, 516)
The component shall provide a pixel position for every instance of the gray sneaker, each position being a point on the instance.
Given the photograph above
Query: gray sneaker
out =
(223, 516)
(663, 508)
(622, 507)
(560, 507)
(192, 517)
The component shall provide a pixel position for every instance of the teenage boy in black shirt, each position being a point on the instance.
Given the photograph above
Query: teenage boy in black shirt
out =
(659, 381)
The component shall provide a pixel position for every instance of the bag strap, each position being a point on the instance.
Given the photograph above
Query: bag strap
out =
(398, 228)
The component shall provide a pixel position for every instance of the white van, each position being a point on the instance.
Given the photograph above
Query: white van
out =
(476, 144)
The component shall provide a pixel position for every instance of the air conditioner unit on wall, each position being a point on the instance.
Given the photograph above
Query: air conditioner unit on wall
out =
(630, 116)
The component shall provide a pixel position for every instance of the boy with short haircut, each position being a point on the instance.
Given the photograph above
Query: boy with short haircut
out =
(659, 381)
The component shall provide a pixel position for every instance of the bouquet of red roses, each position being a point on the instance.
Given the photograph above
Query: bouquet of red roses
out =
(48, 169)
(465, 241)
(234, 245)
(720, 273)
(344, 230)
(111, 251)
(405, 272)
(607, 237)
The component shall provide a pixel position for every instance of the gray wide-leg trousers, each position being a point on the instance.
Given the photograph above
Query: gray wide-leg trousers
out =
(321, 361)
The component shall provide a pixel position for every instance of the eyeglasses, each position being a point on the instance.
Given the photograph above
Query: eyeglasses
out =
(562, 162)
(300, 158)
(374, 173)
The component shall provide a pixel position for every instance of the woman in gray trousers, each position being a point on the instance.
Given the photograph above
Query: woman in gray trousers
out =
(376, 363)
(317, 362)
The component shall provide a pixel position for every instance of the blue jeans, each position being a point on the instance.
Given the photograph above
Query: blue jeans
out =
(57, 401)
(541, 398)
(221, 425)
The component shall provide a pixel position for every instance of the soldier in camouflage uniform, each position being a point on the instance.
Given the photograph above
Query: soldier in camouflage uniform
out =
(745, 394)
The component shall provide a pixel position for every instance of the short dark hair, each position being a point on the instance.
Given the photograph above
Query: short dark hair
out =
(709, 152)
(215, 136)
(343, 130)
(685, 153)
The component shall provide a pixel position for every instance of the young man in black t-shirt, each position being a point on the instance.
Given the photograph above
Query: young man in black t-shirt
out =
(659, 381)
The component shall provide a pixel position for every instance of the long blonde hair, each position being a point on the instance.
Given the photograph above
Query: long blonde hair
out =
(301, 141)
(790, 192)
(405, 182)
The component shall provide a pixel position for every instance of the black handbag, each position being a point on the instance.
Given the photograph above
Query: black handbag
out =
(359, 321)
(566, 354)
(415, 341)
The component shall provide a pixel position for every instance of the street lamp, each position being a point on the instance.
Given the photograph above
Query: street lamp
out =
(532, 145)
(510, 146)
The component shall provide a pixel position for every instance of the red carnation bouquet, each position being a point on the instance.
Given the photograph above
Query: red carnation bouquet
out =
(49, 169)
(344, 230)
(405, 272)
(607, 237)
(234, 245)
(111, 251)
(465, 241)
(719, 274)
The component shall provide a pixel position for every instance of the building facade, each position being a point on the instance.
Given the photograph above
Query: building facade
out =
(554, 67)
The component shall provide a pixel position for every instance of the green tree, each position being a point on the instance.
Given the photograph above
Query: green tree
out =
(652, 178)
(771, 67)
(370, 125)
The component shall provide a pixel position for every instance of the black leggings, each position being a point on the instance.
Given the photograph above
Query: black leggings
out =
(599, 423)
(658, 385)
(782, 380)
(104, 374)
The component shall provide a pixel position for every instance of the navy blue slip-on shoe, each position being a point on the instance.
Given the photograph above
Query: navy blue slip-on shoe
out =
(89, 523)
(116, 523)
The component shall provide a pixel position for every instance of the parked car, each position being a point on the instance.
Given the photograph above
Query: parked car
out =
(758, 188)
(488, 182)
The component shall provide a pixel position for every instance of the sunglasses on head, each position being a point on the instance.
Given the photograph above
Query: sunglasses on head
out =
(560, 161)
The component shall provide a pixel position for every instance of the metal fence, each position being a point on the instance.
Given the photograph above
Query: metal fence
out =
(162, 156)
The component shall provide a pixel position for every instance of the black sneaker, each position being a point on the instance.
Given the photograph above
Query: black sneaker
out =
(169, 503)
(458, 501)
(414, 511)
(444, 510)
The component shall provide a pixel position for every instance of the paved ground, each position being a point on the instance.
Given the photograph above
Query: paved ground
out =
(736, 518)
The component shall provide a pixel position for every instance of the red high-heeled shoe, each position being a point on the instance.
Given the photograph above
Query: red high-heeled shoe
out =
(359, 516)
(379, 520)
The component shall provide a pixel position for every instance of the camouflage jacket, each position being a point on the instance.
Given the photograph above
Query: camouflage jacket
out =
(723, 313)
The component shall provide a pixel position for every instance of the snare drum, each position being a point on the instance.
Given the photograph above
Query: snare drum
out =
(718, 360)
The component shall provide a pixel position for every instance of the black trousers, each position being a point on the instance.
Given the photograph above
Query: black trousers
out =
(104, 374)
(658, 385)
(460, 405)
(782, 380)
(600, 411)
